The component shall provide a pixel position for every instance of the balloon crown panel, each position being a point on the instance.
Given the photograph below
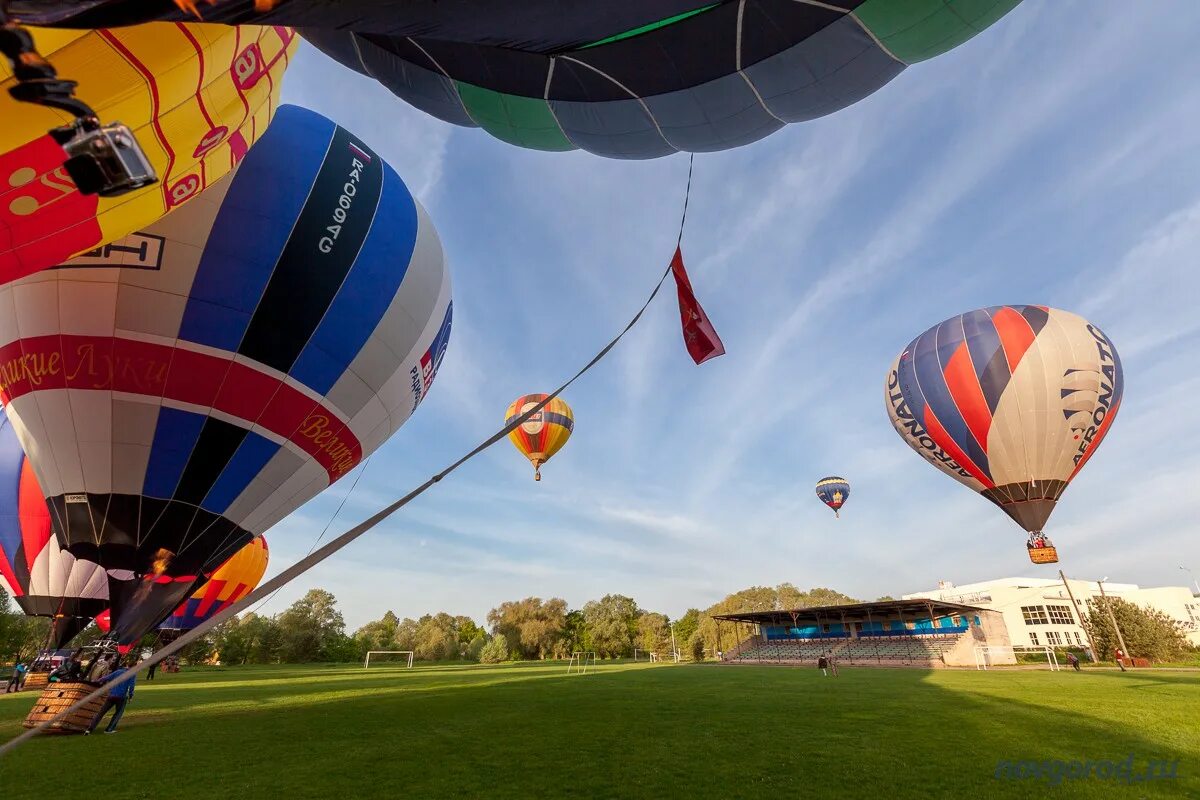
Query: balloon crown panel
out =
(185, 388)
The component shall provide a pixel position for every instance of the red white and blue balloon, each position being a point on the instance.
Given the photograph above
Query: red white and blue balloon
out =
(182, 390)
(1010, 401)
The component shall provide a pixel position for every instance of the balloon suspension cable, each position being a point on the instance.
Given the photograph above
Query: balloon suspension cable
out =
(324, 530)
(316, 557)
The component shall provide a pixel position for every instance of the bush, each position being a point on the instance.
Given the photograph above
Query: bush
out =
(495, 651)
(697, 647)
(475, 648)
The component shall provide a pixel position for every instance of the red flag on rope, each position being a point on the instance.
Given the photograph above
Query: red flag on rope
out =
(699, 335)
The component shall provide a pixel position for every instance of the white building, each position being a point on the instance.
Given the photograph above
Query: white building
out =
(1038, 611)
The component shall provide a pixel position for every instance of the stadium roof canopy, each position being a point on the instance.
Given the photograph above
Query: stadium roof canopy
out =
(850, 612)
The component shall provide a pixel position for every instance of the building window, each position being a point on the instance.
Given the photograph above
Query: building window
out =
(1034, 640)
(1078, 638)
(1060, 615)
(1034, 615)
(1052, 638)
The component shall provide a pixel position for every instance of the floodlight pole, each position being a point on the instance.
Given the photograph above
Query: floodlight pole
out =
(1083, 623)
(1195, 581)
(674, 651)
(1112, 618)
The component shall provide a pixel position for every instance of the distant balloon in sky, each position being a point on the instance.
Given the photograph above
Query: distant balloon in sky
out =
(183, 389)
(1010, 401)
(195, 96)
(620, 78)
(543, 434)
(43, 579)
(833, 492)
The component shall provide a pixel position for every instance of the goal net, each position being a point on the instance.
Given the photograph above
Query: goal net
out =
(656, 658)
(582, 662)
(993, 655)
(389, 657)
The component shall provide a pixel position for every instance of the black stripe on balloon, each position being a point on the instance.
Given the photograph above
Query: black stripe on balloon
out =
(214, 449)
(318, 254)
(1036, 318)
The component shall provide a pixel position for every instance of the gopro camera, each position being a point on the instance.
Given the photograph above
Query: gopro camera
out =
(104, 159)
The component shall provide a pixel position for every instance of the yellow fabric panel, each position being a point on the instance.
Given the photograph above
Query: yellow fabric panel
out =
(195, 95)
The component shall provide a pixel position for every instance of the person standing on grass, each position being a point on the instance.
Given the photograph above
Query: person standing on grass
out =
(823, 665)
(118, 697)
(150, 671)
(1073, 660)
(16, 679)
(832, 664)
(1119, 655)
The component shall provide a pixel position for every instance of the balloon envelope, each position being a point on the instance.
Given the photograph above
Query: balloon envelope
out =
(196, 97)
(229, 583)
(622, 78)
(704, 77)
(833, 492)
(543, 434)
(184, 389)
(43, 579)
(1010, 401)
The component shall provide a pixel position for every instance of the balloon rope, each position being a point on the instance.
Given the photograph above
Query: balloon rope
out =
(314, 558)
(324, 530)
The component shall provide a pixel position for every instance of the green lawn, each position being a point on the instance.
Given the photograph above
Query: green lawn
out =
(629, 730)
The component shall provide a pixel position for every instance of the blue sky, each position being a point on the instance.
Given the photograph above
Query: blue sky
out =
(1052, 160)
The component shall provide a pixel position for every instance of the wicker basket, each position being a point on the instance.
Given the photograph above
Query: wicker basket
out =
(36, 680)
(57, 697)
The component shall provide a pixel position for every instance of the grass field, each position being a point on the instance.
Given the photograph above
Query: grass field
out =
(629, 730)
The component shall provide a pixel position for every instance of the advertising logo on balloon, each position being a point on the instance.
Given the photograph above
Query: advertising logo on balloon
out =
(1090, 407)
(248, 68)
(135, 251)
(908, 426)
(423, 374)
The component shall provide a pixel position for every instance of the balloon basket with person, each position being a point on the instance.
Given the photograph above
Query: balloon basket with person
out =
(76, 677)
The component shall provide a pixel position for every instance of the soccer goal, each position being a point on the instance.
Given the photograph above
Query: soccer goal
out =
(405, 655)
(581, 662)
(655, 658)
(992, 655)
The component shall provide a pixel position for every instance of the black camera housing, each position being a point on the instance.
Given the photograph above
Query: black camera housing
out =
(105, 160)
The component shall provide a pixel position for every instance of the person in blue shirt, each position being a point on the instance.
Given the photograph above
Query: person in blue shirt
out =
(118, 696)
(16, 679)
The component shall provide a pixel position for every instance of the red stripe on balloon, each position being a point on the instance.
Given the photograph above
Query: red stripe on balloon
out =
(1101, 432)
(945, 441)
(1015, 335)
(212, 593)
(234, 388)
(33, 514)
(967, 394)
(10, 576)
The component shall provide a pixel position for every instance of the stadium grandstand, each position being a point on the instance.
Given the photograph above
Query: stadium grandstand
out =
(924, 632)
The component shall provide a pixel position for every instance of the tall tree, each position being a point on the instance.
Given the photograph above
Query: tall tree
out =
(1148, 632)
(611, 623)
(654, 633)
(686, 627)
(532, 627)
(311, 628)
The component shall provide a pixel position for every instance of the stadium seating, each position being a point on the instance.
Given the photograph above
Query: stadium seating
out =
(879, 649)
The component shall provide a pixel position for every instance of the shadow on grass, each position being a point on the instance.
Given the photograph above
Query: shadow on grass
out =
(633, 732)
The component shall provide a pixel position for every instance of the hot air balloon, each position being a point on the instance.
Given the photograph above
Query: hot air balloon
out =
(542, 435)
(1010, 401)
(43, 579)
(236, 577)
(834, 492)
(195, 96)
(181, 392)
(624, 78)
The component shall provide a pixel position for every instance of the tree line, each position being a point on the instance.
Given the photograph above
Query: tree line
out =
(313, 630)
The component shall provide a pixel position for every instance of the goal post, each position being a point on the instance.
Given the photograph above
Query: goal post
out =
(989, 655)
(407, 653)
(582, 661)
